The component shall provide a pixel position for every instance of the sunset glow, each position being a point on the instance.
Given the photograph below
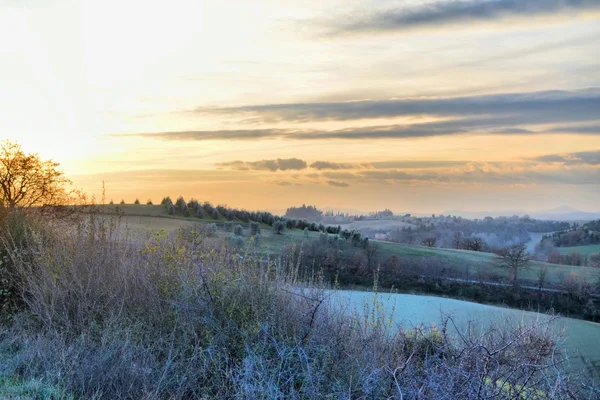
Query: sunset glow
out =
(352, 105)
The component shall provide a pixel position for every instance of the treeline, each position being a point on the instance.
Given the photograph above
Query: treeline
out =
(347, 266)
(588, 233)
(311, 213)
(484, 234)
(195, 208)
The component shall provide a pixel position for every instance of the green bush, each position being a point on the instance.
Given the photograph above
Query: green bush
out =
(238, 230)
(211, 229)
(236, 241)
(278, 227)
(254, 228)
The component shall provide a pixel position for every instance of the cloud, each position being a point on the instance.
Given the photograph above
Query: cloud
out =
(338, 184)
(480, 173)
(283, 183)
(579, 158)
(282, 164)
(593, 130)
(415, 164)
(332, 165)
(496, 114)
(461, 13)
(480, 125)
(239, 134)
(530, 107)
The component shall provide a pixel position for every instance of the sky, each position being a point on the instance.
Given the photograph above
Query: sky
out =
(353, 105)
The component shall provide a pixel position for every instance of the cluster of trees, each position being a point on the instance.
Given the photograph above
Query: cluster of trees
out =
(310, 213)
(206, 209)
(574, 258)
(485, 234)
(588, 233)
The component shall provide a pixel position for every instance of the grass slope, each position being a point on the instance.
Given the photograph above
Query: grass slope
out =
(580, 337)
(470, 264)
(587, 250)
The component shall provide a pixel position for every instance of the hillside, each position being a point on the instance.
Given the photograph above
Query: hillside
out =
(461, 263)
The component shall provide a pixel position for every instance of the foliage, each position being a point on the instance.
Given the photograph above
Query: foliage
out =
(304, 212)
(238, 230)
(278, 228)
(211, 229)
(254, 228)
(26, 180)
(588, 233)
(161, 319)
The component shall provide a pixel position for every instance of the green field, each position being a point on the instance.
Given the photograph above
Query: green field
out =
(587, 250)
(579, 339)
(474, 263)
(470, 264)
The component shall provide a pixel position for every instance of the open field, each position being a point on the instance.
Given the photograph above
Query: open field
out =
(583, 250)
(162, 319)
(378, 224)
(580, 340)
(469, 264)
(473, 264)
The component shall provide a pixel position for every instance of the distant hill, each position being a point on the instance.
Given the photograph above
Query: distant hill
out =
(587, 234)
(562, 213)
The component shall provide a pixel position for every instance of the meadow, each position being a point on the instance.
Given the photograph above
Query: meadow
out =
(579, 339)
(586, 250)
(470, 265)
(106, 306)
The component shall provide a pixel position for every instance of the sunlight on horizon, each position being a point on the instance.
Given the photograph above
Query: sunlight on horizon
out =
(111, 88)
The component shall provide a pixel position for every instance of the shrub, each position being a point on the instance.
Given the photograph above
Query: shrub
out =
(238, 230)
(162, 320)
(166, 201)
(290, 223)
(306, 233)
(149, 202)
(199, 212)
(278, 228)
(254, 228)
(137, 201)
(235, 241)
(122, 201)
(228, 226)
(211, 230)
(193, 204)
(594, 260)
(171, 209)
(323, 237)
(111, 202)
(181, 204)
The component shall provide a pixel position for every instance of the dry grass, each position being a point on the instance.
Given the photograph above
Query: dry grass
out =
(169, 317)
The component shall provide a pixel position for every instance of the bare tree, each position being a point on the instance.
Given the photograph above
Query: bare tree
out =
(429, 241)
(457, 240)
(473, 244)
(26, 180)
(514, 257)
